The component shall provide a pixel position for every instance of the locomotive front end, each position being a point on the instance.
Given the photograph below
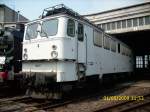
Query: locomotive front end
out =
(48, 55)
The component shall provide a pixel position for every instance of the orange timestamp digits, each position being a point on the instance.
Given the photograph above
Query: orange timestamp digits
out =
(118, 98)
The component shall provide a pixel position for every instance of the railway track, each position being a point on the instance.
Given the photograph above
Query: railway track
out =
(27, 104)
(127, 105)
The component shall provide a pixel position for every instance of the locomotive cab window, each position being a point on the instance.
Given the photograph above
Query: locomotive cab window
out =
(71, 28)
(80, 32)
(31, 32)
(49, 27)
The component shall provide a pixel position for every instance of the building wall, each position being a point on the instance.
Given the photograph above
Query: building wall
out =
(9, 17)
(12, 16)
(1, 14)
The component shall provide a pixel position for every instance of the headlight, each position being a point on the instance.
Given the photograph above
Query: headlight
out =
(54, 47)
(25, 50)
(25, 56)
(54, 54)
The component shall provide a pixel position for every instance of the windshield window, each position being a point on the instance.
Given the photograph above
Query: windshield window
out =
(49, 27)
(31, 31)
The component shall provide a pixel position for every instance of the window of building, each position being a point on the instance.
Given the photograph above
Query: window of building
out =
(124, 24)
(135, 22)
(139, 62)
(146, 61)
(104, 26)
(129, 22)
(98, 38)
(141, 21)
(114, 25)
(80, 32)
(71, 28)
(99, 25)
(118, 24)
(108, 26)
(147, 20)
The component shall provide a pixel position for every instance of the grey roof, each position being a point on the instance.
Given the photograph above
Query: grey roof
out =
(5, 6)
(137, 5)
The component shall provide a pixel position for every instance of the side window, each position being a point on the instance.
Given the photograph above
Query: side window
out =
(125, 51)
(98, 38)
(113, 45)
(122, 50)
(71, 28)
(106, 42)
(80, 32)
(128, 52)
(118, 47)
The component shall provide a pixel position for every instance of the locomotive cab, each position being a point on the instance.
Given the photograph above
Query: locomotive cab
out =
(50, 47)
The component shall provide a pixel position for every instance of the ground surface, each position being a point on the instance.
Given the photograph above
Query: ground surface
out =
(89, 104)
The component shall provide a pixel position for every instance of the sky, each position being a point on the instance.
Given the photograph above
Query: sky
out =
(32, 9)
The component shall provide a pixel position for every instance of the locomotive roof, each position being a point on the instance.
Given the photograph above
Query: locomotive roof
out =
(62, 9)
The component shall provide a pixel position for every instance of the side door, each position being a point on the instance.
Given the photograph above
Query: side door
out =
(81, 52)
(81, 44)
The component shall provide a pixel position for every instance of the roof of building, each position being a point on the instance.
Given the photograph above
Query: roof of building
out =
(137, 5)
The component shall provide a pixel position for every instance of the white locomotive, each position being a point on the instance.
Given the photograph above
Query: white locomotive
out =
(63, 48)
